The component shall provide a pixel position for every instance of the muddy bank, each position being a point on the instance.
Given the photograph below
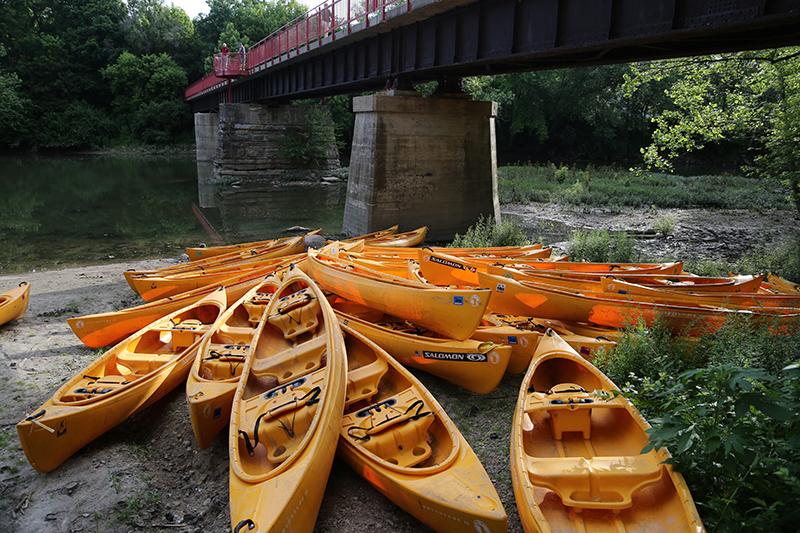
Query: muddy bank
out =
(666, 234)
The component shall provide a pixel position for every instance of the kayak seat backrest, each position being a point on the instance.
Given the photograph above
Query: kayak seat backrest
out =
(296, 313)
(596, 483)
(96, 388)
(291, 362)
(570, 410)
(396, 429)
(363, 382)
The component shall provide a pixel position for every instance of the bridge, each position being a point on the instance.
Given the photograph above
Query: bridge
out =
(346, 46)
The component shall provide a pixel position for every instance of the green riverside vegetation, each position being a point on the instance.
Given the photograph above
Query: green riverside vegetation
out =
(725, 404)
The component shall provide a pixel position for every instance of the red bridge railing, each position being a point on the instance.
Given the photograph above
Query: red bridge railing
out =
(326, 22)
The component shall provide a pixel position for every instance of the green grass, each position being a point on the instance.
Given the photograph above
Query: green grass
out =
(604, 186)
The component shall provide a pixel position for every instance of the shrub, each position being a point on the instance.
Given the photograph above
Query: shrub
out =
(727, 406)
(487, 233)
(602, 246)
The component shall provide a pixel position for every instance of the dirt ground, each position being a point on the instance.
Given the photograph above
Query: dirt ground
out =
(148, 474)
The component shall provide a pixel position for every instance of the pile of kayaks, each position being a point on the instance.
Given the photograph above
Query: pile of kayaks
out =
(301, 354)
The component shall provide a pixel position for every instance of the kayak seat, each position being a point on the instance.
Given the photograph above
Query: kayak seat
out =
(596, 483)
(293, 361)
(569, 407)
(227, 334)
(286, 415)
(296, 313)
(395, 429)
(181, 334)
(95, 388)
(256, 306)
(363, 382)
(223, 361)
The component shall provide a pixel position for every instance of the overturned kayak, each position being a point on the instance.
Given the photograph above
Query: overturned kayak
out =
(544, 301)
(126, 379)
(287, 412)
(14, 303)
(396, 436)
(220, 359)
(576, 454)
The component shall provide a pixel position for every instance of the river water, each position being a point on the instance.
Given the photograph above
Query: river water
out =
(66, 211)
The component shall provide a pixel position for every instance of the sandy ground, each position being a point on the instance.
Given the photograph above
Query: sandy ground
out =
(148, 474)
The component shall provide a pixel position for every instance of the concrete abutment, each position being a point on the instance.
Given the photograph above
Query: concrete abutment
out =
(421, 162)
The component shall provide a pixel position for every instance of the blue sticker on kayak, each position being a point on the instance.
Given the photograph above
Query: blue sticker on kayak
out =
(512, 339)
(458, 300)
(217, 412)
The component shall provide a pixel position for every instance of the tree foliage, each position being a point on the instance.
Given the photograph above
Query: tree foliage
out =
(568, 113)
(746, 101)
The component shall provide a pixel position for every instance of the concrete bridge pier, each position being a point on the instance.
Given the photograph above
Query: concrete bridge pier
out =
(421, 162)
(246, 141)
(206, 132)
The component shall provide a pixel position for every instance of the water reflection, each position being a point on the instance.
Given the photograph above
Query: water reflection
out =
(242, 212)
(62, 211)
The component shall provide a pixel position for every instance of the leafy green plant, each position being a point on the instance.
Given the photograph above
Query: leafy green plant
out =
(312, 141)
(727, 406)
(602, 246)
(733, 431)
(664, 226)
(486, 233)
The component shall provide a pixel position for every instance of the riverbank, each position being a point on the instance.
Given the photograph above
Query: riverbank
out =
(148, 473)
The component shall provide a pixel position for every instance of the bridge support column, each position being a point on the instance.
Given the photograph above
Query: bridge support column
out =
(421, 162)
(252, 138)
(206, 131)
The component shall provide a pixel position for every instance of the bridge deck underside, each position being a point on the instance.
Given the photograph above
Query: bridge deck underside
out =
(501, 36)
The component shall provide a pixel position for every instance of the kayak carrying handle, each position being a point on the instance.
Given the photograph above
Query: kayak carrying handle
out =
(33, 417)
(246, 522)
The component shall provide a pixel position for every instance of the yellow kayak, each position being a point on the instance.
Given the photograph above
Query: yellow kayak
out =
(203, 252)
(576, 454)
(123, 381)
(406, 239)
(218, 365)
(102, 329)
(396, 436)
(523, 333)
(475, 365)
(452, 312)
(287, 412)
(14, 303)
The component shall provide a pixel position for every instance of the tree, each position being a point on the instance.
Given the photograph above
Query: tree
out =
(568, 113)
(148, 92)
(12, 106)
(56, 50)
(746, 100)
